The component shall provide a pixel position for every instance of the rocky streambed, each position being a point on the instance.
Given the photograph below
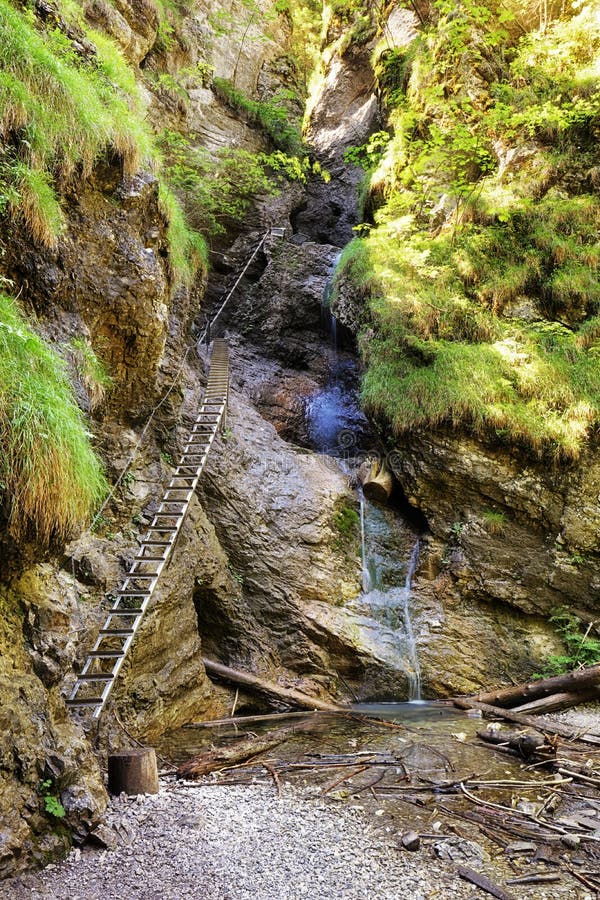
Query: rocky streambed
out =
(341, 808)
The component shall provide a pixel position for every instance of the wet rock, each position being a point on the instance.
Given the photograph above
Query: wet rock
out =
(410, 840)
(285, 304)
(460, 850)
(503, 519)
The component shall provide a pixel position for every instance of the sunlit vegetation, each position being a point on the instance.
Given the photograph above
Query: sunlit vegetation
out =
(480, 268)
(50, 477)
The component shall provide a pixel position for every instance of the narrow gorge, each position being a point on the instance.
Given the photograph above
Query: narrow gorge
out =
(422, 182)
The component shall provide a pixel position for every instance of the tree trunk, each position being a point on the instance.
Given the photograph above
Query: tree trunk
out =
(540, 724)
(378, 483)
(287, 695)
(578, 681)
(133, 772)
(555, 702)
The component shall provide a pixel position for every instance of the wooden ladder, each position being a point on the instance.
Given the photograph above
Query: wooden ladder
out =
(94, 684)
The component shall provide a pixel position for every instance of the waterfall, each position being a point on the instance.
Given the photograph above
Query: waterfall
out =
(329, 322)
(414, 676)
(367, 584)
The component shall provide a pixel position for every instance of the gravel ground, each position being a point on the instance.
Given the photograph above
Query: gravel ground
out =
(237, 843)
(585, 717)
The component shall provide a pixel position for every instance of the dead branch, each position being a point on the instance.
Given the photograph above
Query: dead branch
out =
(224, 757)
(483, 882)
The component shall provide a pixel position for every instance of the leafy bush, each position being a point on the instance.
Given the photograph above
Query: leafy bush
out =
(581, 649)
(50, 477)
(271, 116)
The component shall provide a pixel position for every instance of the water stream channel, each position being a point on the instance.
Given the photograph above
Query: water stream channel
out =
(338, 427)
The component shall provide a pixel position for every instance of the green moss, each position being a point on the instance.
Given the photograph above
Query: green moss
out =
(50, 477)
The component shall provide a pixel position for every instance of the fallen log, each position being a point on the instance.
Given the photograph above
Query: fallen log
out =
(526, 745)
(248, 720)
(531, 721)
(224, 757)
(579, 681)
(286, 695)
(556, 702)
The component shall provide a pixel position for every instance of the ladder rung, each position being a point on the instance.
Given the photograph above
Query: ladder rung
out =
(120, 632)
(106, 654)
(141, 559)
(93, 701)
(134, 593)
(134, 576)
(137, 611)
(99, 677)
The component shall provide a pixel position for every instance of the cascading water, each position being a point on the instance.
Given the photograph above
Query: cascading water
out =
(337, 427)
(367, 580)
(387, 577)
(329, 322)
(414, 677)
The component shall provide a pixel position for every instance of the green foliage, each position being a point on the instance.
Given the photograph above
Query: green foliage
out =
(368, 155)
(188, 248)
(49, 475)
(52, 804)
(91, 371)
(481, 280)
(219, 188)
(494, 521)
(271, 116)
(58, 114)
(580, 648)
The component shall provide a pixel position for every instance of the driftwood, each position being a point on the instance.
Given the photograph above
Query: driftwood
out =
(530, 721)
(286, 695)
(581, 681)
(526, 745)
(224, 757)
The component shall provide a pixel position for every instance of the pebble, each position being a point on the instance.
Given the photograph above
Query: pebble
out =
(242, 843)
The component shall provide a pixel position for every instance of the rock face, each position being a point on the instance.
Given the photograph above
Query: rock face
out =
(521, 535)
(44, 757)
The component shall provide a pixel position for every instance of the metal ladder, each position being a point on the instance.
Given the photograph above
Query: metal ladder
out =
(94, 684)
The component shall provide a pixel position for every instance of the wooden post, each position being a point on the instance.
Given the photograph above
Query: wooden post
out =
(378, 483)
(133, 771)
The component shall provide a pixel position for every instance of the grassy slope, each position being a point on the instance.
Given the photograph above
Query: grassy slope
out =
(482, 282)
(48, 468)
(61, 109)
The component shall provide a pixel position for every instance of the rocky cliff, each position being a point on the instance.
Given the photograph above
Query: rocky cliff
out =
(267, 573)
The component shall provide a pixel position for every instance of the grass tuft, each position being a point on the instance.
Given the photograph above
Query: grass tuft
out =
(50, 477)
(59, 113)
